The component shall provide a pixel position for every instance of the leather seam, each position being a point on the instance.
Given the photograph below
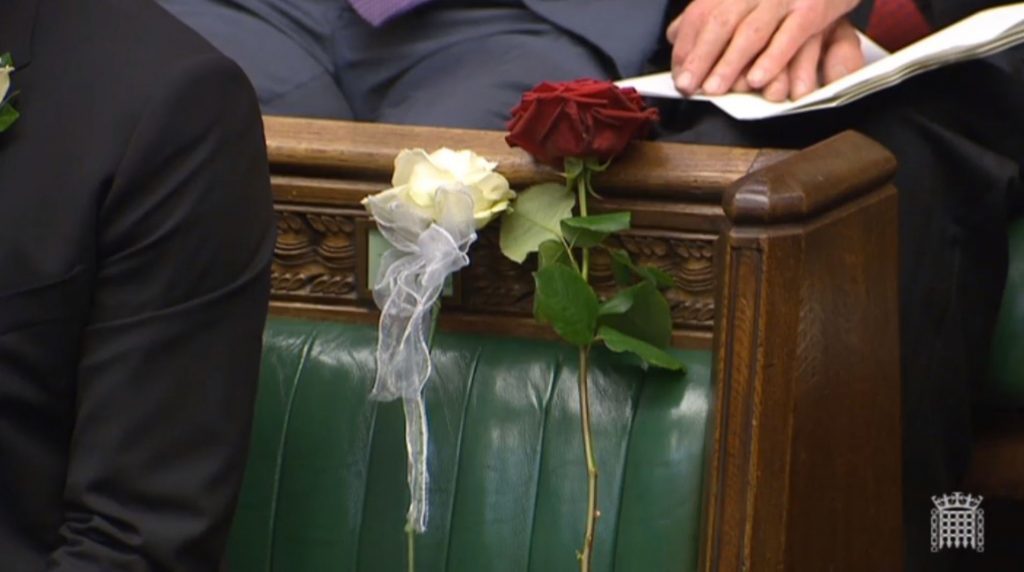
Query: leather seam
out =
(279, 465)
(370, 432)
(458, 456)
(635, 404)
(556, 374)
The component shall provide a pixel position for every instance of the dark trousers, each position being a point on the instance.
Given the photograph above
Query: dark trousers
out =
(457, 63)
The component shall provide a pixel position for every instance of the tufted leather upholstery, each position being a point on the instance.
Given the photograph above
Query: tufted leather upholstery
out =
(1008, 346)
(325, 489)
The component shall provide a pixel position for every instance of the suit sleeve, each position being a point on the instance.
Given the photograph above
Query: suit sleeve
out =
(169, 363)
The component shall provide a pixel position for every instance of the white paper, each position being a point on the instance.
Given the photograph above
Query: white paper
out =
(982, 34)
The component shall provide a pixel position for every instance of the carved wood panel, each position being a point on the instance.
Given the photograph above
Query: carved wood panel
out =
(317, 260)
(315, 254)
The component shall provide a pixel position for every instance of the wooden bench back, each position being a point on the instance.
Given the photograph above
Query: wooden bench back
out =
(785, 266)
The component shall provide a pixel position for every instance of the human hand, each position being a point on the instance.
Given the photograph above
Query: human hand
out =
(716, 42)
(826, 57)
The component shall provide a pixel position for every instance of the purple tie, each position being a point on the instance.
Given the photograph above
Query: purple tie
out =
(376, 12)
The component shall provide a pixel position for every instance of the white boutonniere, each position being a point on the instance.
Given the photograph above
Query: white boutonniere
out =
(8, 115)
(429, 216)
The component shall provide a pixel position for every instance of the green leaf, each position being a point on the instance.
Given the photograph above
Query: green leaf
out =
(624, 270)
(8, 115)
(656, 276)
(564, 300)
(620, 342)
(589, 231)
(553, 252)
(534, 218)
(622, 266)
(6, 60)
(648, 318)
(622, 301)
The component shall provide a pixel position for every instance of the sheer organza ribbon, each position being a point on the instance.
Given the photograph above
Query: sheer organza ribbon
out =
(425, 250)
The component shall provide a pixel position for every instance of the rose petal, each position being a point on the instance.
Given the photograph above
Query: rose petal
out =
(406, 160)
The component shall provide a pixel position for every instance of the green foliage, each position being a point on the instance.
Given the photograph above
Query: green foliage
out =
(534, 219)
(573, 169)
(646, 318)
(626, 272)
(636, 320)
(8, 115)
(554, 252)
(656, 276)
(590, 231)
(621, 302)
(620, 342)
(622, 267)
(565, 300)
(595, 165)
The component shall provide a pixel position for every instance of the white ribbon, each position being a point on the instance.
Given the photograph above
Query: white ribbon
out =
(425, 251)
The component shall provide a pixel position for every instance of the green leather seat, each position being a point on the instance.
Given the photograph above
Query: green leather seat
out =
(325, 488)
(1007, 372)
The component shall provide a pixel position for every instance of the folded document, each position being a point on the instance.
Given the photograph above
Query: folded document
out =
(982, 34)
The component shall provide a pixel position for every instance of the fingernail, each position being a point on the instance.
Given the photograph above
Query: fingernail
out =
(685, 82)
(713, 85)
(756, 78)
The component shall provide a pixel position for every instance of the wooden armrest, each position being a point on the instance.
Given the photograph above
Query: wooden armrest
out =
(349, 149)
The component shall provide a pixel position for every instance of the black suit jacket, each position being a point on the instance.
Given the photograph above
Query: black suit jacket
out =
(135, 237)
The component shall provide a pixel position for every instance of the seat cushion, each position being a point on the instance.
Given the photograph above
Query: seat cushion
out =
(1007, 371)
(325, 487)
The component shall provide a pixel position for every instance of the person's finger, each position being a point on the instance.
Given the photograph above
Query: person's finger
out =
(842, 54)
(793, 33)
(712, 39)
(750, 38)
(803, 69)
(778, 88)
(684, 38)
(673, 28)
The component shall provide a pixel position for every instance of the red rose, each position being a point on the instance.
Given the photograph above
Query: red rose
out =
(584, 118)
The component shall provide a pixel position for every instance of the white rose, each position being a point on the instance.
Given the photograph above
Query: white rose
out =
(418, 176)
(5, 81)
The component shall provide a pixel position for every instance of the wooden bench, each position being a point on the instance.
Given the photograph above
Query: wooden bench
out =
(785, 268)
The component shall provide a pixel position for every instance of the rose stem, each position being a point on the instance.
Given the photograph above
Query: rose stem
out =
(581, 192)
(588, 446)
(588, 450)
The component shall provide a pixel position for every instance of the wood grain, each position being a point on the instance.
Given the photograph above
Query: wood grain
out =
(804, 184)
(805, 471)
(366, 150)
